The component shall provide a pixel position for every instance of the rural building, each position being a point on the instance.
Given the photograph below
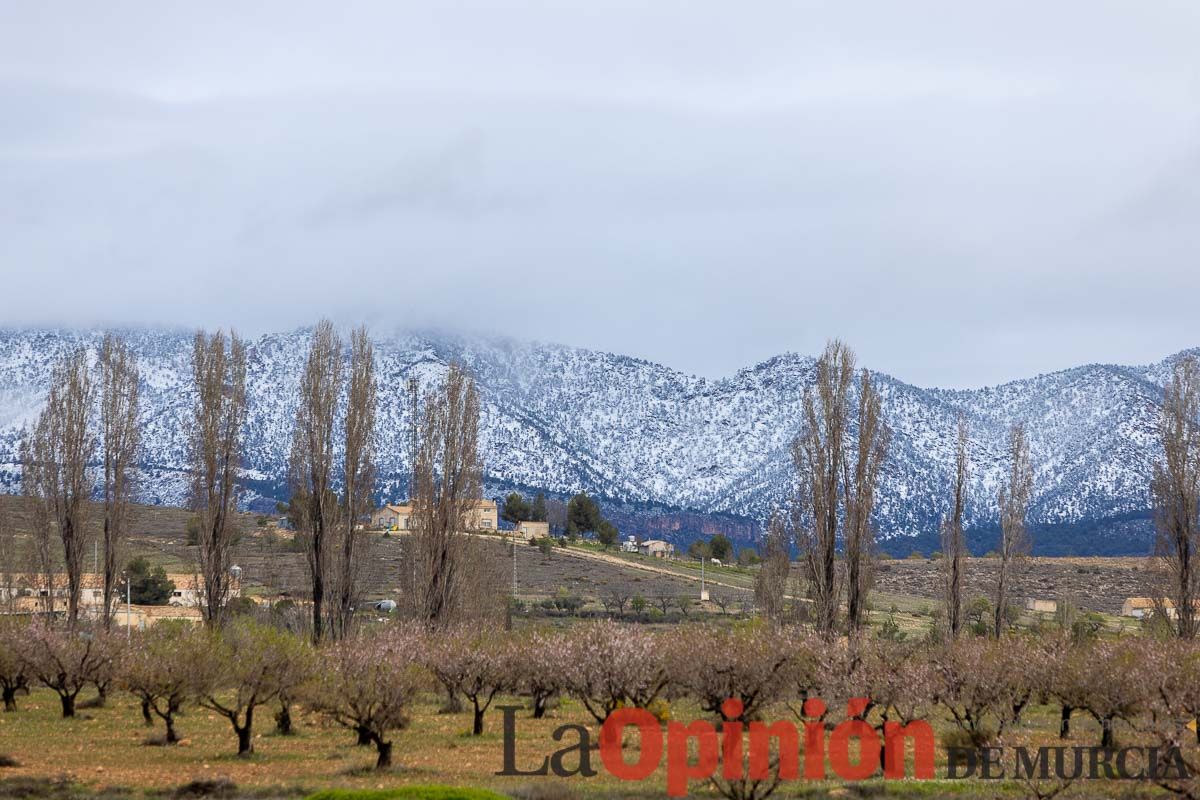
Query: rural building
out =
(533, 530)
(1042, 606)
(657, 548)
(1144, 606)
(29, 590)
(189, 590)
(32, 584)
(630, 545)
(398, 517)
(391, 518)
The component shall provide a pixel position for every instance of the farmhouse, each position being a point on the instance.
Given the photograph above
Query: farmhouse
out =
(630, 545)
(398, 517)
(657, 548)
(531, 530)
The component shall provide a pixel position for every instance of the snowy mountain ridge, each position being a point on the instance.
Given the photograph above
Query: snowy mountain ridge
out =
(562, 419)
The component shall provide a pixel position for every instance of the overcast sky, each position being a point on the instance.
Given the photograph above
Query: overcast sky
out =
(966, 192)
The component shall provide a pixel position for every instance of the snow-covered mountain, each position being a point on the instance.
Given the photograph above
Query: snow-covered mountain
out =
(642, 435)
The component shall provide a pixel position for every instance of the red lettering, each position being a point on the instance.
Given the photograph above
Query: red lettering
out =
(650, 751)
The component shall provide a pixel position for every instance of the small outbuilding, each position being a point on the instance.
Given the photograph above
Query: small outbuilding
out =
(1040, 606)
(533, 529)
(656, 548)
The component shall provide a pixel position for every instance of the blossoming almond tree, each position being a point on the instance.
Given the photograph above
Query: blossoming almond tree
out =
(248, 666)
(14, 674)
(539, 667)
(158, 670)
(476, 666)
(1095, 676)
(367, 684)
(611, 665)
(714, 665)
(66, 661)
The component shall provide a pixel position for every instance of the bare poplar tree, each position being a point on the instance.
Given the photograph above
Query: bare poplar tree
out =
(860, 482)
(8, 562)
(311, 469)
(35, 487)
(62, 449)
(1175, 487)
(358, 475)
(119, 438)
(818, 453)
(953, 545)
(449, 482)
(219, 373)
(770, 584)
(1014, 503)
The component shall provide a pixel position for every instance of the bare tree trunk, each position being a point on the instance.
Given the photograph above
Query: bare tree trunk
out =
(220, 414)
(1175, 488)
(1014, 503)
(358, 482)
(119, 437)
(953, 546)
(860, 482)
(311, 468)
(449, 484)
(384, 750)
(283, 720)
(818, 453)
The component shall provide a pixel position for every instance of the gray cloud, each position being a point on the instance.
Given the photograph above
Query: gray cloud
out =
(966, 192)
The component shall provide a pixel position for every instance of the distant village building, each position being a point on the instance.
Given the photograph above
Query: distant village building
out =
(1041, 606)
(398, 517)
(657, 548)
(630, 545)
(530, 530)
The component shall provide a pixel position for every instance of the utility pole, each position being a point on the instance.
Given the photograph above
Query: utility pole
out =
(508, 616)
(128, 609)
(703, 591)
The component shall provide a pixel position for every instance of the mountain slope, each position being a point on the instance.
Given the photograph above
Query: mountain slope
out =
(563, 419)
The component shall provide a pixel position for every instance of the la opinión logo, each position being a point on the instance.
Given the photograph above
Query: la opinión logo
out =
(727, 750)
